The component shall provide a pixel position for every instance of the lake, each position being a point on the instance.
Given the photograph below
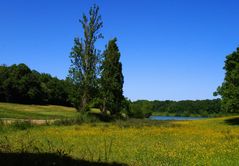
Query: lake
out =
(174, 118)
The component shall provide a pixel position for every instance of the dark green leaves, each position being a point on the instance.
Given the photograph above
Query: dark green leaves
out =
(229, 90)
(112, 79)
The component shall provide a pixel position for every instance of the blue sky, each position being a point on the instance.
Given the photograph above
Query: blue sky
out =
(171, 49)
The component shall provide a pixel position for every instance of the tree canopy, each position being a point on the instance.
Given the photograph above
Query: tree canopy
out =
(229, 90)
(180, 108)
(20, 84)
(85, 59)
(112, 80)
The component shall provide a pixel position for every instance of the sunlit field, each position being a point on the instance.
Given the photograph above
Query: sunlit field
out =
(135, 142)
(21, 111)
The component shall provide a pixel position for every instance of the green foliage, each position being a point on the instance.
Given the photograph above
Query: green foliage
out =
(141, 108)
(83, 117)
(111, 87)
(20, 84)
(85, 60)
(229, 90)
(126, 109)
(56, 91)
(138, 110)
(22, 125)
(98, 81)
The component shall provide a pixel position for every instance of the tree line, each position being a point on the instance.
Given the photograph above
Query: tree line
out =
(229, 90)
(20, 84)
(180, 108)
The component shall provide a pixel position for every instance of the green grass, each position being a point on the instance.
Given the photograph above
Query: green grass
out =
(213, 141)
(20, 111)
(135, 142)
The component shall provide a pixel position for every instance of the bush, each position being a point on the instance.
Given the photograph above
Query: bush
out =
(81, 118)
(1, 124)
(138, 112)
(22, 125)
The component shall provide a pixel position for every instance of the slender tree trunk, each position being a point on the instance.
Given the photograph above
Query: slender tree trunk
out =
(84, 100)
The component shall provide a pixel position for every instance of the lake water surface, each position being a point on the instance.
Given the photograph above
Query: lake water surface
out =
(174, 118)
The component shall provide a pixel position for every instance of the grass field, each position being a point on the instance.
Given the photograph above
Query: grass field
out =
(136, 142)
(20, 111)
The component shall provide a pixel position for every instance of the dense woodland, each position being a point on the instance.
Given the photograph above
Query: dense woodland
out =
(178, 108)
(20, 84)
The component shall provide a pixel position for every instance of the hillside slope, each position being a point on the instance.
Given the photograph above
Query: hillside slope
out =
(21, 111)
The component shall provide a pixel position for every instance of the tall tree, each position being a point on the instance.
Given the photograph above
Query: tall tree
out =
(112, 79)
(85, 59)
(229, 90)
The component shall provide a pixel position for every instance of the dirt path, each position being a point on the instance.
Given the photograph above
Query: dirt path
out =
(32, 121)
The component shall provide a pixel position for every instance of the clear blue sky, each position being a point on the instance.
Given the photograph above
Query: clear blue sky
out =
(171, 49)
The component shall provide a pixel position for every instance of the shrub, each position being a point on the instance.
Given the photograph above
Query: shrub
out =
(81, 118)
(22, 125)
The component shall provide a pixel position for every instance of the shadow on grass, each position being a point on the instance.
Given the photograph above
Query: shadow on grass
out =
(232, 121)
(46, 159)
(102, 117)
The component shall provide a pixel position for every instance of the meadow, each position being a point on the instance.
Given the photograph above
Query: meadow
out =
(212, 141)
(43, 112)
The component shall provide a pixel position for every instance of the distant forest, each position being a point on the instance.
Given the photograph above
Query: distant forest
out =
(178, 108)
